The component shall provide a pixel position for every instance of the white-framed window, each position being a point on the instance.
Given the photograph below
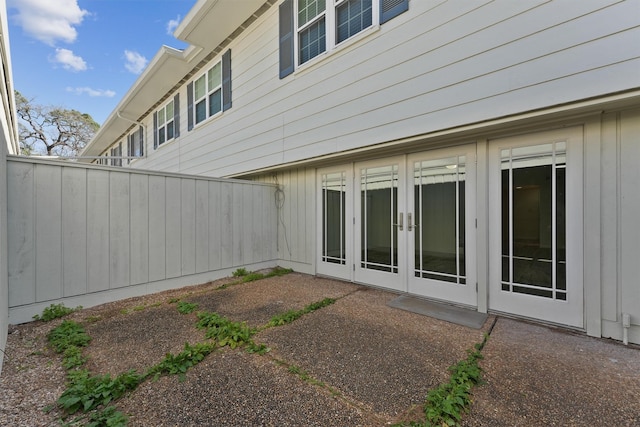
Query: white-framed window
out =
(310, 27)
(344, 18)
(166, 122)
(207, 93)
(116, 155)
(135, 143)
(210, 93)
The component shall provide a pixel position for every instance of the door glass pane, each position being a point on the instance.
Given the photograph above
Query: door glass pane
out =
(333, 218)
(379, 211)
(439, 232)
(533, 220)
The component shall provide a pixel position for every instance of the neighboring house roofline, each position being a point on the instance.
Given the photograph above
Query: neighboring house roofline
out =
(208, 28)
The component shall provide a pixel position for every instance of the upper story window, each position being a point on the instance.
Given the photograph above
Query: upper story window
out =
(210, 93)
(207, 93)
(311, 27)
(166, 122)
(135, 143)
(116, 154)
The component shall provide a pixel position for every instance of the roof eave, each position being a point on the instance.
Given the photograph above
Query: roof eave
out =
(207, 25)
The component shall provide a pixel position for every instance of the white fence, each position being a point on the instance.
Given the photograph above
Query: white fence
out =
(84, 235)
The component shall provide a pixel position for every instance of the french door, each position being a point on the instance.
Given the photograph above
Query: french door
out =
(380, 230)
(535, 197)
(405, 223)
(442, 233)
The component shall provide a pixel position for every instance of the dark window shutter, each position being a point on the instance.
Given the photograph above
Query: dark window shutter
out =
(391, 8)
(129, 147)
(176, 115)
(141, 130)
(226, 80)
(190, 106)
(155, 130)
(286, 38)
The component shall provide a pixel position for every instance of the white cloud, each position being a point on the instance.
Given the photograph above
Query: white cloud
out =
(172, 25)
(135, 62)
(70, 61)
(49, 21)
(91, 92)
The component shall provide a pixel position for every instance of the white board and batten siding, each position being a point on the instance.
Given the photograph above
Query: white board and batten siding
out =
(436, 66)
(296, 218)
(620, 233)
(88, 235)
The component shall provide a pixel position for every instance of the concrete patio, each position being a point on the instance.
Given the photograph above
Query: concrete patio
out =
(370, 364)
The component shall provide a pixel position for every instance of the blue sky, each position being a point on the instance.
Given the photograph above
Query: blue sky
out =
(86, 54)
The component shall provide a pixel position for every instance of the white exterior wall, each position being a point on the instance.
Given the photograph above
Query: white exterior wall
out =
(4, 286)
(437, 66)
(87, 235)
(295, 244)
(8, 145)
(620, 233)
(611, 211)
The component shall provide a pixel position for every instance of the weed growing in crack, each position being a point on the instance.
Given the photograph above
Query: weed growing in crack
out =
(86, 392)
(304, 376)
(186, 307)
(67, 335)
(179, 364)
(105, 417)
(445, 404)
(224, 331)
(292, 315)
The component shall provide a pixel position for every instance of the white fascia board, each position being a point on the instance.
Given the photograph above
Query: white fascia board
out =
(210, 22)
(166, 68)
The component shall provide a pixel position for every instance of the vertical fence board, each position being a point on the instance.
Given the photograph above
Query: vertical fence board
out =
(97, 231)
(119, 230)
(48, 232)
(202, 226)
(173, 225)
(21, 256)
(139, 242)
(237, 226)
(226, 230)
(188, 235)
(248, 210)
(215, 233)
(74, 231)
(157, 228)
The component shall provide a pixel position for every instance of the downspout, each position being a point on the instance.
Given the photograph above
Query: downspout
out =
(120, 116)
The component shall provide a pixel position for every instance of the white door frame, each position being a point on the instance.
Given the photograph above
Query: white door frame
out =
(335, 268)
(571, 311)
(362, 274)
(459, 293)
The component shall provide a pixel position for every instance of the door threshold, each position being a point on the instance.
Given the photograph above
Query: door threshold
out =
(446, 312)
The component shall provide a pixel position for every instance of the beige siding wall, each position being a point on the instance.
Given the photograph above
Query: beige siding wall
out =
(437, 66)
(88, 235)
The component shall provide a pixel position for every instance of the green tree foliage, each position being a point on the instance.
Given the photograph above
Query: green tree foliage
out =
(50, 130)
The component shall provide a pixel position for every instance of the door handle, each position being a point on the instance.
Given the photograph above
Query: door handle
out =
(400, 221)
(409, 226)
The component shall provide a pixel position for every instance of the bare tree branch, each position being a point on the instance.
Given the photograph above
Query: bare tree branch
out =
(52, 130)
